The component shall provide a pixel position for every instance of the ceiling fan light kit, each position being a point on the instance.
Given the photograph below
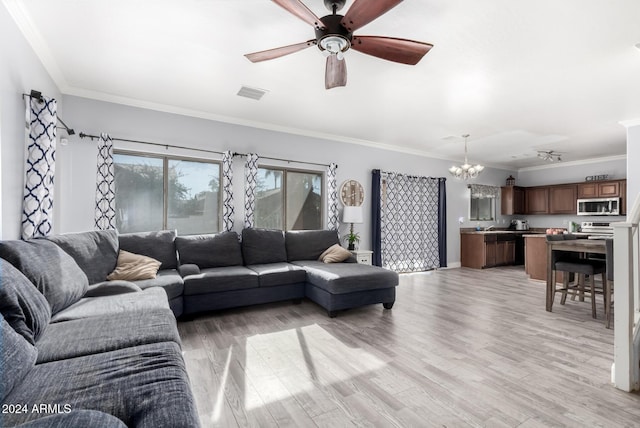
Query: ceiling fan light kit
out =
(466, 170)
(334, 36)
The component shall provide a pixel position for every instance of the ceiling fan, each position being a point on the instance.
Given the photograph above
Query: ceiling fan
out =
(550, 155)
(334, 36)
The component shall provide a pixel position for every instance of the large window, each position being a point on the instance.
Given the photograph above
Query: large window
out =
(154, 193)
(289, 199)
(482, 209)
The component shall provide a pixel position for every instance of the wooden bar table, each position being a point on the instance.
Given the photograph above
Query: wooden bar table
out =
(595, 246)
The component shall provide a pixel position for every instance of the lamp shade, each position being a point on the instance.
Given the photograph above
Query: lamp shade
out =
(352, 215)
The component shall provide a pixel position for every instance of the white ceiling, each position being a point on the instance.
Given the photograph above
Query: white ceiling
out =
(519, 76)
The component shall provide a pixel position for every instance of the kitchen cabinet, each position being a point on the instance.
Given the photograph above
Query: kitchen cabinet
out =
(537, 200)
(485, 250)
(512, 200)
(603, 189)
(563, 199)
(623, 197)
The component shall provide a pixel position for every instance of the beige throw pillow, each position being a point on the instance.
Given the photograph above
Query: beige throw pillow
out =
(335, 254)
(132, 267)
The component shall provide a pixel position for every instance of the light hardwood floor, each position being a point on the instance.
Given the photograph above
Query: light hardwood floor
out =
(461, 347)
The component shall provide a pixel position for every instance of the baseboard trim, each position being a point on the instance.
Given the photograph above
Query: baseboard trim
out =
(453, 265)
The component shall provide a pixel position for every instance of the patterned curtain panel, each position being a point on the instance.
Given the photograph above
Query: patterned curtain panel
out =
(251, 180)
(409, 222)
(227, 191)
(37, 203)
(484, 191)
(105, 217)
(332, 198)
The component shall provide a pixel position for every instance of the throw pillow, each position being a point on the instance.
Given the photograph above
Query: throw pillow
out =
(132, 267)
(17, 358)
(54, 272)
(21, 304)
(335, 254)
(110, 288)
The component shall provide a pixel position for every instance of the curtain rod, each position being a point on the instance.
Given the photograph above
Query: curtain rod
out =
(84, 135)
(37, 95)
(285, 160)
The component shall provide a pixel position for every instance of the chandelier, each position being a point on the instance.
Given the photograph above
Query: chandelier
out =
(466, 170)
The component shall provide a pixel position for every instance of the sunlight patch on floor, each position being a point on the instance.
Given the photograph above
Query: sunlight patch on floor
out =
(286, 363)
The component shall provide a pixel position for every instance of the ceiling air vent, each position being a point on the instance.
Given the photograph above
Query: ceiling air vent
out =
(253, 93)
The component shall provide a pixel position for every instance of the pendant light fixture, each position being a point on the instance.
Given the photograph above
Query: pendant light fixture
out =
(466, 170)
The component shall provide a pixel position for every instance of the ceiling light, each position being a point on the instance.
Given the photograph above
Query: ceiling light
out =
(466, 170)
(334, 45)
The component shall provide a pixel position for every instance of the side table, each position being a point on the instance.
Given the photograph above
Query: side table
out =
(363, 256)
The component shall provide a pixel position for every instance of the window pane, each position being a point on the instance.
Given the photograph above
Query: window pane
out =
(193, 196)
(304, 201)
(482, 209)
(269, 199)
(139, 193)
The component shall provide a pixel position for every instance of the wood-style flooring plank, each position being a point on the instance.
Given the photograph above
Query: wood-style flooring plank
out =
(460, 348)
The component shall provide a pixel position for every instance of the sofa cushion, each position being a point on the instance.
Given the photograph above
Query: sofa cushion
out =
(144, 386)
(131, 267)
(341, 278)
(158, 245)
(335, 254)
(105, 333)
(110, 288)
(151, 298)
(169, 279)
(274, 274)
(21, 304)
(76, 418)
(49, 268)
(213, 280)
(309, 244)
(95, 251)
(261, 246)
(211, 250)
(17, 357)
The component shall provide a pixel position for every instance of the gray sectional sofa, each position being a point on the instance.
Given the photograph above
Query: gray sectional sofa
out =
(74, 355)
(107, 353)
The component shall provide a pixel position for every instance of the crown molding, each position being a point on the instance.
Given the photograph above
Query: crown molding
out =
(25, 24)
(573, 163)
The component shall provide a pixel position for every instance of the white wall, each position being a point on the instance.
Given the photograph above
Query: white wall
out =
(77, 159)
(570, 172)
(20, 71)
(633, 158)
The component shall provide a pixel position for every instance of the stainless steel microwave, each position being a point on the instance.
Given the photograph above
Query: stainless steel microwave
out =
(599, 206)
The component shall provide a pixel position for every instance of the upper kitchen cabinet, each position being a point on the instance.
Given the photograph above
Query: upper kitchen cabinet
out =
(537, 200)
(512, 200)
(604, 189)
(562, 199)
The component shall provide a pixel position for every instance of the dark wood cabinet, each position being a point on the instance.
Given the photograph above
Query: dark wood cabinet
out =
(623, 197)
(563, 199)
(537, 200)
(512, 200)
(604, 189)
(485, 250)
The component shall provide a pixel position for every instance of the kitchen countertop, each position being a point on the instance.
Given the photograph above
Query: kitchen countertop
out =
(499, 231)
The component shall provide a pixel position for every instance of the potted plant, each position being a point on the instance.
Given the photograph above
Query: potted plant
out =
(352, 238)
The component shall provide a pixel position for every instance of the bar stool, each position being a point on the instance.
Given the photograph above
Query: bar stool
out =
(569, 263)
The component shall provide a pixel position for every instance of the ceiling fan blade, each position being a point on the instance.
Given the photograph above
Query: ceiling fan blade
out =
(392, 49)
(336, 72)
(278, 52)
(297, 8)
(363, 12)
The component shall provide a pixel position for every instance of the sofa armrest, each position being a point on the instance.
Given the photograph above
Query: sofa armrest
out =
(188, 269)
(351, 259)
